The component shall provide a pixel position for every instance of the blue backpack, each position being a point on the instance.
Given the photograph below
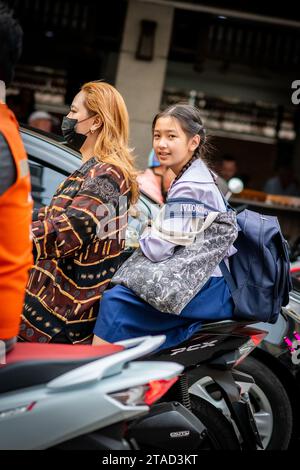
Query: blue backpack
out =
(259, 278)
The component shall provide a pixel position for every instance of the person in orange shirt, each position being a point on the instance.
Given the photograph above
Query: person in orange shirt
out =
(15, 194)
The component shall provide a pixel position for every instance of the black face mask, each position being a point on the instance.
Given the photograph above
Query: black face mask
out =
(74, 139)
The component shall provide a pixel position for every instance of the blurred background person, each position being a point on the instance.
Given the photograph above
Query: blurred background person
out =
(41, 120)
(284, 182)
(227, 167)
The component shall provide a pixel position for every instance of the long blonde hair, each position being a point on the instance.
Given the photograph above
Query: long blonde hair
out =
(112, 143)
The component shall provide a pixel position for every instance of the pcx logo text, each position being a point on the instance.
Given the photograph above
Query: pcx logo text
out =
(194, 347)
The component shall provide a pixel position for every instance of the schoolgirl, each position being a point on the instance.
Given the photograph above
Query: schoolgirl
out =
(179, 143)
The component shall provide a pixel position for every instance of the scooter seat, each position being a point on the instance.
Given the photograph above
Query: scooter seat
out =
(30, 364)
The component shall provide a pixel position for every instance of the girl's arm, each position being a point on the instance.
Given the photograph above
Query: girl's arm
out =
(154, 247)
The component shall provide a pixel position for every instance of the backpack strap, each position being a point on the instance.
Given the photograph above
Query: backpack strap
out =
(228, 277)
(224, 269)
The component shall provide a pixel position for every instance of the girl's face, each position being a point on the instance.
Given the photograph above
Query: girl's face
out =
(171, 144)
(79, 111)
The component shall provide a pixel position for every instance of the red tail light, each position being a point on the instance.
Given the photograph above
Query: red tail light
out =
(295, 270)
(157, 389)
(249, 346)
(143, 394)
(258, 338)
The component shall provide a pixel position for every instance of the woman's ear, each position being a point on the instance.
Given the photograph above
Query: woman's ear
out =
(96, 124)
(195, 142)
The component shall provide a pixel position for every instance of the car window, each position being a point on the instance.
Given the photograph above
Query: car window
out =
(44, 182)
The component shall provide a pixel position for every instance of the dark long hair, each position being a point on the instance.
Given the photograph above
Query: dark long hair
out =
(191, 122)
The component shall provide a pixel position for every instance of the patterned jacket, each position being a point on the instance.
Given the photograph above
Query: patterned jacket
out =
(78, 241)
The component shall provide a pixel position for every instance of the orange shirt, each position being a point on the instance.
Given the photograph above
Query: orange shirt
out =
(15, 220)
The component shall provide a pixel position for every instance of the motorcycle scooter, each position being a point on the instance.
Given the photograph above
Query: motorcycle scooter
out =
(212, 352)
(55, 394)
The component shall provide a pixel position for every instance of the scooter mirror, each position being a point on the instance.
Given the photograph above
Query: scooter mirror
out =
(235, 185)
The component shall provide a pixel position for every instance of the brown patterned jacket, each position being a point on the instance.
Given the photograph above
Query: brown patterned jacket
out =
(78, 242)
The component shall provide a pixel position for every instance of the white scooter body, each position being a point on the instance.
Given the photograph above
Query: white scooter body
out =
(78, 401)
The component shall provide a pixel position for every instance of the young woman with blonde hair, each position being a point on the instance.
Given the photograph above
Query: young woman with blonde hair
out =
(79, 237)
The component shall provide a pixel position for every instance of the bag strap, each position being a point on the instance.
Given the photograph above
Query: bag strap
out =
(228, 277)
(223, 267)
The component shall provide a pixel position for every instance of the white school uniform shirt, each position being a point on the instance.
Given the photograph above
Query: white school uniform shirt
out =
(196, 183)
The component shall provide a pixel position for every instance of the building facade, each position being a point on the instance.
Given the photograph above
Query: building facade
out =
(235, 60)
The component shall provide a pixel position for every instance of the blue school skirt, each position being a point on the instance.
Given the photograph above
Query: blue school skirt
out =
(123, 315)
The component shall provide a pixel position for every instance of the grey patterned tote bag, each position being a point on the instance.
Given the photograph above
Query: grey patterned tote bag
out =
(171, 284)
